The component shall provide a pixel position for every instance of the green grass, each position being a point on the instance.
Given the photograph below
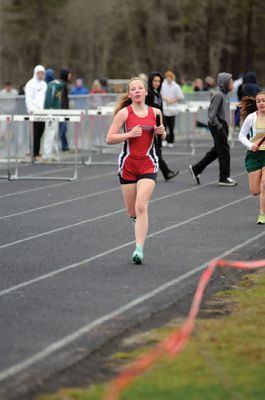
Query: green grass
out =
(225, 358)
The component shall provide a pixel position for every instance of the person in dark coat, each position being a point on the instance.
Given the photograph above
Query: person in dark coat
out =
(154, 99)
(249, 85)
(65, 77)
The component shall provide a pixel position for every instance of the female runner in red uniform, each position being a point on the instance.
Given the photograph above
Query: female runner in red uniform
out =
(138, 163)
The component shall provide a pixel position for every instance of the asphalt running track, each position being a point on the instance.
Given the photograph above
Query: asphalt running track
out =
(67, 283)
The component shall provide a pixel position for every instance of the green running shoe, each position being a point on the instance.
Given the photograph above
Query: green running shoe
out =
(261, 219)
(138, 255)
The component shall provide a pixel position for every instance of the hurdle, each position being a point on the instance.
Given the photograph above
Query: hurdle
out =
(65, 113)
(76, 119)
(190, 113)
(7, 120)
(99, 113)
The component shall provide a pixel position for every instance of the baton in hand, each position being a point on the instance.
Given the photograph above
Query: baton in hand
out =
(158, 123)
(261, 141)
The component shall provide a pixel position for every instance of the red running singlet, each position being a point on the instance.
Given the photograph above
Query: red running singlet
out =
(138, 158)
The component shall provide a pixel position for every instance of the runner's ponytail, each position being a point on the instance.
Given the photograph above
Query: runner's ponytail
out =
(248, 105)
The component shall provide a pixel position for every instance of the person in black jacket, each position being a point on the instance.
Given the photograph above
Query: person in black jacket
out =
(249, 87)
(65, 77)
(154, 99)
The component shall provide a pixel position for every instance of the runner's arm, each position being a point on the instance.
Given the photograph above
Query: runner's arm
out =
(115, 134)
(160, 130)
(244, 131)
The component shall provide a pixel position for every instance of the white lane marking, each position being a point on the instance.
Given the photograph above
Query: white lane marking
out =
(81, 166)
(45, 172)
(91, 195)
(61, 229)
(68, 339)
(55, 185)
(67, 183)
(86, 196)
(79, 180)
(104, 253)
(100, 216)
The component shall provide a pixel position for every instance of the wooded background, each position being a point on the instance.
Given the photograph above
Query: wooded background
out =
(121, 38)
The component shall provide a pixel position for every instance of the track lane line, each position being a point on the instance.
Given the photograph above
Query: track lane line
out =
(54, 185)
(101, 216)
(107, 252)
(68, 339)
(78, 180)
(86, 196)
(67, 183)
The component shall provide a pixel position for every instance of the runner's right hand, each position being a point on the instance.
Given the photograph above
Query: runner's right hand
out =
(136, 131)
(254, 147)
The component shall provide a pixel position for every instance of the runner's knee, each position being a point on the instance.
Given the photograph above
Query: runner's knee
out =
(140, 207)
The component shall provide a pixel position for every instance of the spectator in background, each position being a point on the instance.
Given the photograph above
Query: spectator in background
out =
(8, 90)
(250, 86)
(238, 82)
(171, 93)
(186, 86)
(97, 88)
(53, 100)
(197, 85)
(118, 88)
(154, 99)
(209, 84)
(79, 87)
(35, 91)
(218, 115)
(104, 84)
(80, 103)
(143, 76)
(65, 78)
(8, 101)
(21, 89)
(7, 106)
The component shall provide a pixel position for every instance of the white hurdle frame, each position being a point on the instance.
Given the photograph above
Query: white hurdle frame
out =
(191, 141)
(7, 119)
(65, 113)
(48, 115)
(99, 111)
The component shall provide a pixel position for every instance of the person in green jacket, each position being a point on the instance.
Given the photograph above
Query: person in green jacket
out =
(53, 100)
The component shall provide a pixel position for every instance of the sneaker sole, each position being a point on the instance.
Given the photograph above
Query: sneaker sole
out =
(137, 260)
(193, 175)
(171, 177)
(226, 184)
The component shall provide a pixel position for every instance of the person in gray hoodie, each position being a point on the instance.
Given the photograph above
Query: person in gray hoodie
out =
(218, 122)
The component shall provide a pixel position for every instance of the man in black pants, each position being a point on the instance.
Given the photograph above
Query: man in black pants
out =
(35, 91)
(154, 99)
(218, 115)
(38, 129)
